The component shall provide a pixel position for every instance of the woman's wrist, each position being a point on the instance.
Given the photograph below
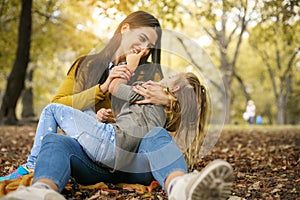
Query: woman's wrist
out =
(103, 87)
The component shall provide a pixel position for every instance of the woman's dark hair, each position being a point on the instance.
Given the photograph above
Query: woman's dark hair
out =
(95, 67)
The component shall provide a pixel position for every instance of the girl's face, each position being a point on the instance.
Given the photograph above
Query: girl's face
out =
(135, 40)
(170, 82)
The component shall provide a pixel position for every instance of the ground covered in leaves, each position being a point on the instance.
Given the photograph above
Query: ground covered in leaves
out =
(265, 160)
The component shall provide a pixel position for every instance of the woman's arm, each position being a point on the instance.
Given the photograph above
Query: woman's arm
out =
(77, 98)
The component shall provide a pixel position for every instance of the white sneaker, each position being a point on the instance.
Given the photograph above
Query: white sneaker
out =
(32, 193)
(214, 182)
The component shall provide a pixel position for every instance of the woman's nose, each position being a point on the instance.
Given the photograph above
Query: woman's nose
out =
(145, 45)
(141, 48)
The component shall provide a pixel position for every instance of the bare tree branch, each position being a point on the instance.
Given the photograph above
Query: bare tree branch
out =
(240, 80)
(195, 63)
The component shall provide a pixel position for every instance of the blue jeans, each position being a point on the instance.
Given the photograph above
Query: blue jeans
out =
(62, 157)
(97, 139)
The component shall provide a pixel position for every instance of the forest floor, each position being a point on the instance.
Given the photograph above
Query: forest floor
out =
(265, 160)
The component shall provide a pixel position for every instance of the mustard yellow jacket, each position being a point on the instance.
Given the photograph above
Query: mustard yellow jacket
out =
(77, 97)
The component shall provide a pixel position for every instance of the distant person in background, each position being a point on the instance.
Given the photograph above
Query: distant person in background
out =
(259, 120)
(250, 111)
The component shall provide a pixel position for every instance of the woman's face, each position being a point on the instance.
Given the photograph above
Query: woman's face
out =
(135, 40)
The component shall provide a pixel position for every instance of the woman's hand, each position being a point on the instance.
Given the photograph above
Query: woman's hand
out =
(105, 115)
(153, 94)
(120, 71)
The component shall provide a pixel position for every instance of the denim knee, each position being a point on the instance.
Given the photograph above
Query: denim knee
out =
(157, 138)
(49, 107)
(51, 138)
(56, 138)
(157, 131)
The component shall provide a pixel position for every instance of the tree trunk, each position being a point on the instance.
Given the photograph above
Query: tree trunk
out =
(15, 82)
(280, 110)
(227, 99)
(27, 98)
(227, 79)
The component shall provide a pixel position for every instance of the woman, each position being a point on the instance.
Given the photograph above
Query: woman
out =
(86, 85)
(157, 158)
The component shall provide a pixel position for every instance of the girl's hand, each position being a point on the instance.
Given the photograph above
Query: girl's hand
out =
(153, 94)
(104, 115)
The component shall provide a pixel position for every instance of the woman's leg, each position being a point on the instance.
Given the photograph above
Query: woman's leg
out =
(163, 155)
(60, 156)
(158, 156)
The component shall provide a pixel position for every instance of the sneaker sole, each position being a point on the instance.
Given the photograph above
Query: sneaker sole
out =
(214, 182)
(31, 193)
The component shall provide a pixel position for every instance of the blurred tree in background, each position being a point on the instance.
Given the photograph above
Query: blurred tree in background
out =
(254, 43)
(277, 43)
(57, 32)
(225, 22)
(15, 81)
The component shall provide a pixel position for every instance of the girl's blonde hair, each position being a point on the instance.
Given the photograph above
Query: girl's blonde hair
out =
(189, 111)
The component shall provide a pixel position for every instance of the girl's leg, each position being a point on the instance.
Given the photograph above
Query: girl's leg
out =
(47, 124)
(72, 121)
(62, 155)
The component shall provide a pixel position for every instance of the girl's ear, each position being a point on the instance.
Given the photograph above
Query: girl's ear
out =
(125, 27)
(174, 89)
